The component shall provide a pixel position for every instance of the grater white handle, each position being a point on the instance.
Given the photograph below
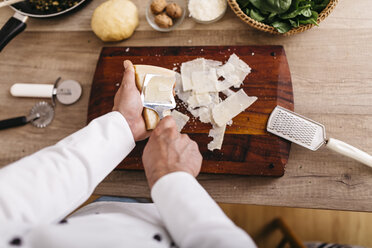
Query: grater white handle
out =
(32, 90)
(349, 151)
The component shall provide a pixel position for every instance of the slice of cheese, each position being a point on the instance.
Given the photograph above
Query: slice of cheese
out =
(228, 92)
(186, 70)
(217, 133)
(204, 81)
(181, 119)
(199, 100)
(234, 72)
(150, 116)
(223, 112)
(203, 113)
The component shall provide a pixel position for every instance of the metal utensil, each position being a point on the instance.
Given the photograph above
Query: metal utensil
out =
(310, 134)
(41, 115)
(158, 107)
(66, 92)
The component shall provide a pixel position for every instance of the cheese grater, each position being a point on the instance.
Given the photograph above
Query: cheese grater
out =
(310, 134)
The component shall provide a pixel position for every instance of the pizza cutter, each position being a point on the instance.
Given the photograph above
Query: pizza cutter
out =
(41, 115)
(66, 92)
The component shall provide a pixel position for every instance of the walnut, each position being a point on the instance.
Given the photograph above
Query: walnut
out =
(163, 21)
(174, 10)
(157, 6)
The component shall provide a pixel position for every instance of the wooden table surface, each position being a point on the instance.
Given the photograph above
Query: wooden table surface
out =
(331, 70)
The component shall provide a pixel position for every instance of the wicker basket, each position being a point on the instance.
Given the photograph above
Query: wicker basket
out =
(267, 28)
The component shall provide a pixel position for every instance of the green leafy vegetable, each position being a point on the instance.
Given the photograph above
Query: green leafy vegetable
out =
(284, 15)
(282, 27)
(255, 14)
(272, 6)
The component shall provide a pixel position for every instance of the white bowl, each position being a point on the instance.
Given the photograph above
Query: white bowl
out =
(209, 21)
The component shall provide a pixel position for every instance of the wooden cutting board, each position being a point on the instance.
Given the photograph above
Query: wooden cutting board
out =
(247, 148)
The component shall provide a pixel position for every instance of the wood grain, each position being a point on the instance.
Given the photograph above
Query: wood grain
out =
(247, 149)
(332, 84)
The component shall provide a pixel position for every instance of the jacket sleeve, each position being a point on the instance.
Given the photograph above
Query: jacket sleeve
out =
(192, 217)
(49, 184)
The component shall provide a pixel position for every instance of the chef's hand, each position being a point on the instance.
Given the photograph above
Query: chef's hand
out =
(128, 102)
(169, 151)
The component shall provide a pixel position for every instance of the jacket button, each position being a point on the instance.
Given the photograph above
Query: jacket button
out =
(157, 237)
(17, 241)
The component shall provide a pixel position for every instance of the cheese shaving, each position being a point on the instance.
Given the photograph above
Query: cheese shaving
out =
(181, 119)
(234, 72)
(199, 100)
(204, 81)
(231, 107)
(186, 70)
(217, 133)
(203, 113)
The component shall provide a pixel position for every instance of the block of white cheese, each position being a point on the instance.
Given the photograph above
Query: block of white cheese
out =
(159, 89)
(232, 106)
(150, 116)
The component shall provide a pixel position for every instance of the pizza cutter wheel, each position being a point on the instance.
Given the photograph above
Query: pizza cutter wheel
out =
(41, 115)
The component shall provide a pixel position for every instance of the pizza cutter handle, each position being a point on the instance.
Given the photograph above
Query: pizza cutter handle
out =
(13, 122)
(32, 90)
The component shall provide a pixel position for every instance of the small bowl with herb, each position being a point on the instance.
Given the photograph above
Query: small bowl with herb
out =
(285, 17)
(165, 15)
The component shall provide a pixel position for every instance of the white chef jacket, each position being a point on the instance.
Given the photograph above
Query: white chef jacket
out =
(40, 190)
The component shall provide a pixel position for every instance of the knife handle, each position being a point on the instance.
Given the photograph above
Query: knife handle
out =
(13, 122)
(32, 90)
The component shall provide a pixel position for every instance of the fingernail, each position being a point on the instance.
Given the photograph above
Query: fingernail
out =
(126, 64)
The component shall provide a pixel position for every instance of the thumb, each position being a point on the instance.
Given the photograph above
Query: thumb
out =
(167, 122)
(128, 77)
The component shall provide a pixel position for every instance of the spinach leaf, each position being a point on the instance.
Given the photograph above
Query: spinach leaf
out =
(312, 20)
(306, 12)
(319, 6)
(254, 14)
(281, 27)
(272, 6)
(294, 23)
(243, 3)
(295, 13)
(271, 18)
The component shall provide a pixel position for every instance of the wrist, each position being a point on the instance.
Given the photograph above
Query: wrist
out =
(157, 175)
(170, 175)
(128, 121)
